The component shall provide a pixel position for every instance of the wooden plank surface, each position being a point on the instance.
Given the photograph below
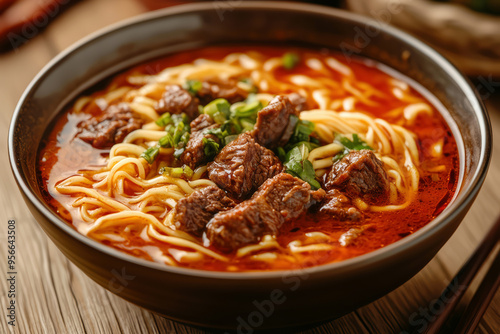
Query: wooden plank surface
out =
(56, 297)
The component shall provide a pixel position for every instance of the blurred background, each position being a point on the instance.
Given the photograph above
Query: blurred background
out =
(466, 31)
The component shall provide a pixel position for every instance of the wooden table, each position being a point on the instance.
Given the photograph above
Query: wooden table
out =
(56, 297)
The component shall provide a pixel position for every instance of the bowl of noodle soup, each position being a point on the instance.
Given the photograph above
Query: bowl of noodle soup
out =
(125, 147)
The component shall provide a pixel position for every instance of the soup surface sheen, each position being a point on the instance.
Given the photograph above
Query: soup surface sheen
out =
(112, 194)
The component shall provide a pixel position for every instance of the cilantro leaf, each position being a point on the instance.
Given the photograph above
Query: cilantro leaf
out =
(296, 164)
(356, 144)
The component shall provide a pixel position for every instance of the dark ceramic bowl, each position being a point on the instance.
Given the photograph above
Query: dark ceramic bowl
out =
(261, 299)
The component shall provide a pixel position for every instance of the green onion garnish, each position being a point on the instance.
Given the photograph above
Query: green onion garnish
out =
(193, 86)
(177, 171)
(247, 110)
(210, 147)
(188, 172)
(150, 154)
(247, 124)
(164, 120)
(218, 110)
(290, 60)
(166, 141)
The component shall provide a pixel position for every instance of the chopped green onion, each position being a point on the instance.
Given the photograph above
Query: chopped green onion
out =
(232, 126)
(173, 171)
(218, 110)
(193, 86)
(166, 141)
(290, 60)
(248, 109)
(178, 152)
(218, 132)
(179, 131)
(210, 147)
(164, 120)
(219, 118)
(182, 117)
(188, 172)
(185, 137)
(247, 124)
(252, 97)
(150, 154)
(247, 81)
(178, 171)
(236, 106)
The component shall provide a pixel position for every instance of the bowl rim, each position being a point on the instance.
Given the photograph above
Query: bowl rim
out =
(459, 203)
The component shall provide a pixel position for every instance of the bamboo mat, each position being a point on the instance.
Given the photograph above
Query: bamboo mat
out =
(56, 297)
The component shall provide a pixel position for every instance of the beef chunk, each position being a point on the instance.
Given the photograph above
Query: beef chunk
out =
(243, 225)
(194, 153)
(298, 101)
(274, 125)
(279, 200)
(201, 122)
(110, 128)
(192, 213)
(176, 100)
(242, 166)
(339, 206)
(360, 174)
(288, 195)
(230, 91)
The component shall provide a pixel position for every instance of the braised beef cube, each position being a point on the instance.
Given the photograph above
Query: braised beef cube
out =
(266, 166)
(279, 200)
(201, 122)
(192, 213)
(288, 195)
(298, 101)
(111, 127)
(338, 206)
(230, 91)
(233, 168)
(176, 100)
(194, 152)
(243, 225)
(242, 166)
(360, 174)
(274, 126)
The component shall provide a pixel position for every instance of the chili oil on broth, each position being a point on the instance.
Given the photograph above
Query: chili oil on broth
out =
(358, 96)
